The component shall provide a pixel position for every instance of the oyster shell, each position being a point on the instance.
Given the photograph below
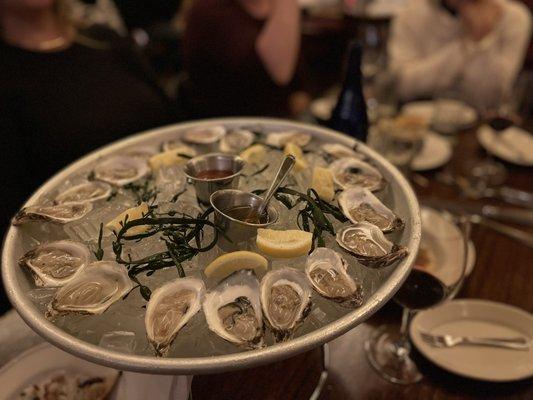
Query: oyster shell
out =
(286, 300)
(204, 134)
(369, 245)
(351, 172)
(93, 290)
(56, 263)
(84, 192)
(236, 140)
(327, 272)
(360, 205)
(337, 150)
(280, 139)
(121, 170)
(170, 307)
(233, 310)
(60, 214)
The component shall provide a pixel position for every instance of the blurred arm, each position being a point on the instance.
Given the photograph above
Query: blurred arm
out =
(278, 44)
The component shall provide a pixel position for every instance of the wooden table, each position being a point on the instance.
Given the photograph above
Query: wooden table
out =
(503, 272)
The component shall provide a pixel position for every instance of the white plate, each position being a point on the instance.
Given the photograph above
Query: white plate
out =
(483, 319)
(436, 151)
(443, 243)
(37, 363)
(518, 152)
(322, 107)
(456, 113)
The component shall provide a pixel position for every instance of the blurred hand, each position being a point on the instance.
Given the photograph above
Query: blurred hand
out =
(479, 17)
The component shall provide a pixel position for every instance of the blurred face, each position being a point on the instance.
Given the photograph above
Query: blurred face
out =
(26, 5)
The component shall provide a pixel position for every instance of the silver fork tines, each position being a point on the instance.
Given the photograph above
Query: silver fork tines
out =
(515, 343)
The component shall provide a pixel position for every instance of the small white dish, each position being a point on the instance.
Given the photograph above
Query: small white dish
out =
(513, 145)
(480, 318)
(436, 151)
(442, 244)
(41, 362)
(453, 113)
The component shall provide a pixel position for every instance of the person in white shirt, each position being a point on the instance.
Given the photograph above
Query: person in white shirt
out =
(474, 48)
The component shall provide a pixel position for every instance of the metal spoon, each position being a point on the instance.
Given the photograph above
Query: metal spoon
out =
(283, 171)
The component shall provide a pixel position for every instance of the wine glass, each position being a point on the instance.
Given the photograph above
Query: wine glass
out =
(388, 348)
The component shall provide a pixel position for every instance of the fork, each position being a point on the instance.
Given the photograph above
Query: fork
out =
(516, 343)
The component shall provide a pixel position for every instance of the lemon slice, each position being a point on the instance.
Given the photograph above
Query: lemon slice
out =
(254, 154)
(228, 263)
(140, 211)
(166, 159)
(296, 151)
(322, 182)
(284, 244)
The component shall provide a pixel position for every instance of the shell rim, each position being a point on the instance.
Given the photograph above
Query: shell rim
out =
(210, 364)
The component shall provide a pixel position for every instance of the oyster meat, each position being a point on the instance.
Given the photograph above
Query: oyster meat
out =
(236, 140)
(281, 139)
(369, 245)
(360, 205)
(286, 300)
(204, 134)
(327, 272)
(121, 170)
(84, 192)
(170, 307)
(56, 263)
(60, 214)
(233, 310)
(350, 172)
(337, 150)
(93, 290)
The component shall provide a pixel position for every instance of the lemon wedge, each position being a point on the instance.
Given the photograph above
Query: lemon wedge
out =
(166, 159)
(140, 211)
(322, 182)
(227, 264)
(284, 244)
(254, 154)
(296, 151)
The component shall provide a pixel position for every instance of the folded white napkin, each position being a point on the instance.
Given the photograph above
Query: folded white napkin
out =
(135, 386)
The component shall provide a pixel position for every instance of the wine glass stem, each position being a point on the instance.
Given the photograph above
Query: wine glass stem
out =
(403, 344)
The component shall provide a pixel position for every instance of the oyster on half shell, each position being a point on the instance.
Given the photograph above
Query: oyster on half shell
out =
(170, 307)
(337, 150)
(233, 310)
(93, 290)
(327, 272)
(236, 141)
(60, 214)
(204, 134)
(280, 139)
(121, 170)
(56, 263)
(350, 172)
(360, 205)
(286, 300)
(369, 245)
(84, 192)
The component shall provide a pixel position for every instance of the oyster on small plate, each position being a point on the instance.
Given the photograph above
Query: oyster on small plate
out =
(369, 245)
(121, 170)
(360, 205)
(350, 172)
(281, 139)
(84, 192)
(60, 214)
(286, 300)
(56, 263)
(327, 272)
(233, 310)
(170, 307)
(204, 134)
(337, 150)
(93, 290)
(236, 141)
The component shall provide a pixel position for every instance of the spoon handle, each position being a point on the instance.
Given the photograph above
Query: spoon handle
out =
(283, 171)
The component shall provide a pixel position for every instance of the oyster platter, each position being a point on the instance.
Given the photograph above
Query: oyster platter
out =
(120, 258)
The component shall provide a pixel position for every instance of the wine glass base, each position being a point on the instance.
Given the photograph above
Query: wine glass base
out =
(492, 173)
(389, 358)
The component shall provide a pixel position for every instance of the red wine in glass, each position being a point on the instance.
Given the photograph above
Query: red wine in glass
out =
(421, 290)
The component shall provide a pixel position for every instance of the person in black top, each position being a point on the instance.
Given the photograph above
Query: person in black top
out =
(64, 91)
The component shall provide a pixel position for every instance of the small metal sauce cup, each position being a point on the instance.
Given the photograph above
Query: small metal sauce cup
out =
(235, 230)
(213, 161)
